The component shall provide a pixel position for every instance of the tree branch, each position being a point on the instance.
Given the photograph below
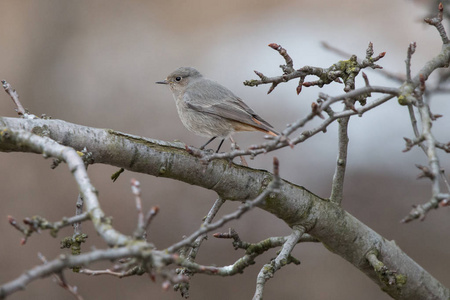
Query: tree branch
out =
(283, 258)
(342, 233)
(30, 142)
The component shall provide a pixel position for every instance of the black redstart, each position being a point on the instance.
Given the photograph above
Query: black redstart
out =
(209, 109)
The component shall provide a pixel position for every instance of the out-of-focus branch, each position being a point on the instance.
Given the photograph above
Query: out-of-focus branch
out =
(59, 264)
(184, 286)
(61, 281)
(283, 258)
(48, 147)
(414, 95)
(37, 223)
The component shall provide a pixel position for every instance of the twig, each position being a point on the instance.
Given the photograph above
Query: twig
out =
(78, 212)
(343, 70)
(63, 262)
(281, 260)
(252, 250)
(437, 22)
(184, 287)
(410, 52)
(15, 97)
(130, 272)
(289, 67)
(150, 215)
(417, 85)
(337, 187)
(139, 233)
(235, 146)
(385, 275)
(281, 141)
(208, 219)
(37, 223)
(87, 159)
(397, 77)
(142, 222)
(61, 281)
(280, 240)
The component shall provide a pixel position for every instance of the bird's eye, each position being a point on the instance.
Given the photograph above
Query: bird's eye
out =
(178, 78)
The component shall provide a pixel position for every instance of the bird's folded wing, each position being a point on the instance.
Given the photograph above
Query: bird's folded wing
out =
(231, 112)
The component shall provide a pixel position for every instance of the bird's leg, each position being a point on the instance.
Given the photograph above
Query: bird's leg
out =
(209, 141)
(220, 145)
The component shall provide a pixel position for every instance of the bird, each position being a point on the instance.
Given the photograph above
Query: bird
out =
(209, 109)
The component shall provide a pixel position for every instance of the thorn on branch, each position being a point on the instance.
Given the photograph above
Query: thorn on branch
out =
(272, 87)
(426, 172)
(411, 143)
(435, 117)
(260, 75)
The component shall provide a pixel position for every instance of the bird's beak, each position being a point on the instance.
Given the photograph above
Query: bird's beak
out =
(163, 82)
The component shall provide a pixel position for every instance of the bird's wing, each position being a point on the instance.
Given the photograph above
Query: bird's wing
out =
(212, 98)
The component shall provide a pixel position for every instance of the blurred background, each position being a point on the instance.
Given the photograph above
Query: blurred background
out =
(94, 63)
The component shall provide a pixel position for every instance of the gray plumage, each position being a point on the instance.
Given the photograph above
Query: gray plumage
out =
(209, 109)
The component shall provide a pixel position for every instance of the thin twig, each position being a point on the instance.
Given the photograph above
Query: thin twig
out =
(337, 187)
(184, 287)
(283, 258)
(281, 141)
(389, 277)
(61, 281)
(15, 97)
(63, 262)
(139, 233)
(249, 204)
(37, 223)
(235, 146)
(410, 52)
(437, 22)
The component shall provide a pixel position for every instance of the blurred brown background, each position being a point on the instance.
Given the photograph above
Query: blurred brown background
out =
(95, 63)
